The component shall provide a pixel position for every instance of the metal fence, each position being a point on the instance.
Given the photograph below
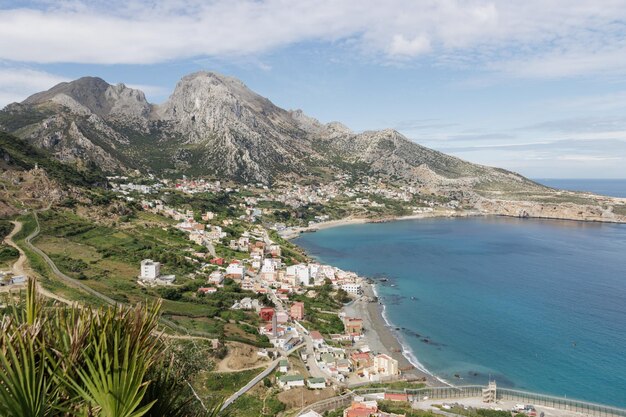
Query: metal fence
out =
(561, 403)
(475, 391)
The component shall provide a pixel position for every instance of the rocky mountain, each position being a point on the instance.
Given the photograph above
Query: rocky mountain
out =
(213, 125)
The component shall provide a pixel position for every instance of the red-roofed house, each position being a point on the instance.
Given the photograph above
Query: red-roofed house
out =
(396, 397)
(361, 360)
(266, 313)
(353, 325)
(361, 409)
(317, 339)
(297, 310)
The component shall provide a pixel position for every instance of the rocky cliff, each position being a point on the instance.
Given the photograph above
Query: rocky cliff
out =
(213, 125)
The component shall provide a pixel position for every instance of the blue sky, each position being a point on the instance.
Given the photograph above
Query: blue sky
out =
(538, 87)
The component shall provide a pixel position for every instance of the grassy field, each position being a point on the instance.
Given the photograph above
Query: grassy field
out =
(249, 405)
(217, 386)
(107, 258)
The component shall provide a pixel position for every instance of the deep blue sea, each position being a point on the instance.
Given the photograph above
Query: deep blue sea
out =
(536, 304)
(610, 187)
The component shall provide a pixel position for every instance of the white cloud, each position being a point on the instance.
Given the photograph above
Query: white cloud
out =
(532, 38)
(18, 83)
(401, 46)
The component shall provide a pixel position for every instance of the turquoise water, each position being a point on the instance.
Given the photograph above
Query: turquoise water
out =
(537, 304)
(610, 187)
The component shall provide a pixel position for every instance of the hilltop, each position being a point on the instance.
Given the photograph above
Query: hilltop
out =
(214, 126)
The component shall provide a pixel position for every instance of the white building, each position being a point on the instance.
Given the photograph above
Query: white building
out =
(268, 266)
(150, 270)
(352, 288)
(235, 270)
(316, 383)
(385, 365)
(300, 273)
(290, 381)
(216, 278)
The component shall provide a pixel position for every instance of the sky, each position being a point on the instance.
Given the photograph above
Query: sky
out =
(534, 86)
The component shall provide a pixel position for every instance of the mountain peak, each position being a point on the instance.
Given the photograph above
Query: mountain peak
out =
(82, 90)
(206, 100)
(93, 94)
(211, 75)
(214, 124)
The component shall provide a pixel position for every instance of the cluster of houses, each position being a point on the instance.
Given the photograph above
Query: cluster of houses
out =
(121, 185)
(344, 186)
(337, 363)
(264, 272)
(361, 364)
(362, 407)
(193, 186)
(295, 380)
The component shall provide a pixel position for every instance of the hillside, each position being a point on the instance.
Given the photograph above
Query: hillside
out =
(32, 178)
(214, 126)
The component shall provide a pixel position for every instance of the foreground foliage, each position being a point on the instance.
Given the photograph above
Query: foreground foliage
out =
(73, 361)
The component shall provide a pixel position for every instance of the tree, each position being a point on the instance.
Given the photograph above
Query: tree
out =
(170, 293)
(342, 296)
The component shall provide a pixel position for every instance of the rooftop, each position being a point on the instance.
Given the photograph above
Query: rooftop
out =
(291, 378)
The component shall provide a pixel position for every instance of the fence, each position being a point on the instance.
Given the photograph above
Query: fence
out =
(561, 403)
(475, 391)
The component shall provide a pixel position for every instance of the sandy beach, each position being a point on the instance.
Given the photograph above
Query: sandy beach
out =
(380, 338)
(293, 233)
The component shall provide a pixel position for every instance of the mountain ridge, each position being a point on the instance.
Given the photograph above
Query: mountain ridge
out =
(214, 125)
(217, 121)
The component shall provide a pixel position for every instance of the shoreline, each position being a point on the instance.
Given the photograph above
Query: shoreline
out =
(381, 337)
(294, 233)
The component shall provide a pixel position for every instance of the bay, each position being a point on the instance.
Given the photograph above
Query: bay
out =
(538, 305)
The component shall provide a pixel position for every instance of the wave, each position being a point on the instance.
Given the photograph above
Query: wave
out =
(407, 351)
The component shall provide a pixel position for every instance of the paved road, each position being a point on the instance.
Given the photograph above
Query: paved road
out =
(258, 378)
(18, 266)
(68, 280)
(314, 369)
(77, 284)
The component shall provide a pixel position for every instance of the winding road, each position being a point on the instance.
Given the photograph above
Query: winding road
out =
(258, 378)
(18, 266)
(19, 269)
(76, 283)
(68, 280)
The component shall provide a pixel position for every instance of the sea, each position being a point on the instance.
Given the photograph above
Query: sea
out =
(537, 305)
(610, 187)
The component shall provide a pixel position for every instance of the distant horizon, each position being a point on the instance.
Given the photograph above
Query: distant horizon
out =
(574, 179)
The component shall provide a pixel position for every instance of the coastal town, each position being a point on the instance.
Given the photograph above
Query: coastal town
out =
(266, 208)
(319, 329)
